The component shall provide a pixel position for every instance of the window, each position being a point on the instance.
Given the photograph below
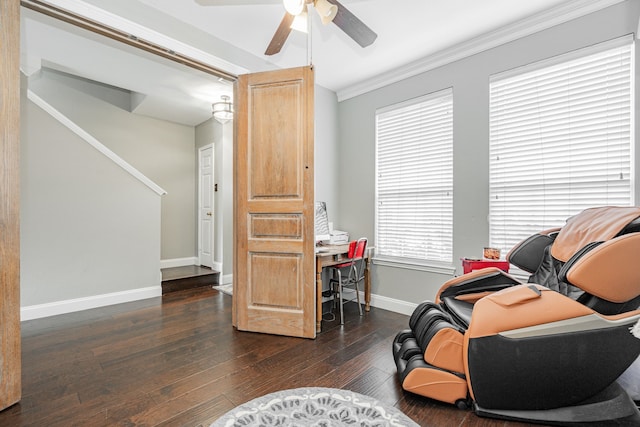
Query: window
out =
(560, 140)
(414, 186)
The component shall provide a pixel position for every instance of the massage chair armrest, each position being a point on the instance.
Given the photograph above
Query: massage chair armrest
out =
(528, 254)
(522, 306)
(477, 284)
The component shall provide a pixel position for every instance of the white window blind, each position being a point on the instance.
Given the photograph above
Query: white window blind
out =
(560, 140)
(414, 187)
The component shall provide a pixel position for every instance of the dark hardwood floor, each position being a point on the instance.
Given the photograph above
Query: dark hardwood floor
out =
(177, 361)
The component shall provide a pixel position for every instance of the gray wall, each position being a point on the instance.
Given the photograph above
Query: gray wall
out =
(167, 153)
(470, 81)
(87, 227)
(326, 152)
(161, 150)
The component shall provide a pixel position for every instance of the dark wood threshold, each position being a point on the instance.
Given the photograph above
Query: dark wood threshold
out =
(188, 277)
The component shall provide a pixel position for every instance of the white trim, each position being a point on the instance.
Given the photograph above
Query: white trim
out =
(555, 16)
(78, 304)
(414, 265)
(73, 127)
(446, 92)
(94, 13)
(178, 262)
(565, 57)
(217, 266)
(391, 304)
(386, 303)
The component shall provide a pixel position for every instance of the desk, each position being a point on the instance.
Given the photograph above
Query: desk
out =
(327, 258)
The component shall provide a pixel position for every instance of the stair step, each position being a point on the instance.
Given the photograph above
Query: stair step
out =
(188, 277)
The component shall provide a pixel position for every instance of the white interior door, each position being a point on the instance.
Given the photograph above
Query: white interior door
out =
(206, 205)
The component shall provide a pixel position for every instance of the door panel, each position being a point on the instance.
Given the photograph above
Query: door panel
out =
(206, 239)
(10, 362)
(274, 263)
(281, 269)
(275, 150)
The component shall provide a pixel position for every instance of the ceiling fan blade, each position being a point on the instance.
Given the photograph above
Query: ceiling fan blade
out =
(352, 26)
(281, 35)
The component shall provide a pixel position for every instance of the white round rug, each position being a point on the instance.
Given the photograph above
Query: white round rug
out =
(314, 407)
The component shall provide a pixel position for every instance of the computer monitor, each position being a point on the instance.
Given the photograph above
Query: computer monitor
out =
(322, 222)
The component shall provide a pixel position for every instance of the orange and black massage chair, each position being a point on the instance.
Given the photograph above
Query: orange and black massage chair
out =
(548, 351)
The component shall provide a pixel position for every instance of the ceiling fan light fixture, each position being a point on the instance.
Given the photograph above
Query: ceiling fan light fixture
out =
(223, 110)
(300, 22)
(294, 7)
(326, 10)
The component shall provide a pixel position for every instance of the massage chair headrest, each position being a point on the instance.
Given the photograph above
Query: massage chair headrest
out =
(529, 253)
(600, 251)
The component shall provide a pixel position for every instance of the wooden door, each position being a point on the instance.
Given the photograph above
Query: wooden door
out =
(10, 383)
(274, 262)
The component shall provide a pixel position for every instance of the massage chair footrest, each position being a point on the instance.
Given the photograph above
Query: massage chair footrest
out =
(426, 380)
(433, 334)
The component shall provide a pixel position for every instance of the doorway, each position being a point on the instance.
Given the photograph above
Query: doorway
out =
(206, 207)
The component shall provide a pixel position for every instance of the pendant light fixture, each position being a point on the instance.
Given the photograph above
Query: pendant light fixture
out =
(223, 110)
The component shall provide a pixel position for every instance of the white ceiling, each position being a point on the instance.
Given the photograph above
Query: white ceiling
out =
(409, 31)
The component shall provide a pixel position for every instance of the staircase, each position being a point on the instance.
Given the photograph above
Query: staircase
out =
(188, 277)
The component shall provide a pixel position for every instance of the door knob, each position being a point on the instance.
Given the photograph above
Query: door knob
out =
(208, 213)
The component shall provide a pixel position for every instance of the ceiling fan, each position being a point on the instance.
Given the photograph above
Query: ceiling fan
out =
(329, 11)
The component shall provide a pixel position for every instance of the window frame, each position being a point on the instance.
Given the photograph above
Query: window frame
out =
(565, 60)
(422, 264)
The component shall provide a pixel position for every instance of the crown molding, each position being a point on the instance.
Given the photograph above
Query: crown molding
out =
(541, 21)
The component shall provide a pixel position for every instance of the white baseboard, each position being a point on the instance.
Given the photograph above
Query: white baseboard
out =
(386, 303)
(391, 304)
(178, 262)
(78, 304)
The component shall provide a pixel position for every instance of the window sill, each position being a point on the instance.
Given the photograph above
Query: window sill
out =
(409, 264)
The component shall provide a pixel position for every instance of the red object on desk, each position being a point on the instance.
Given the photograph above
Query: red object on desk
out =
(469, 264)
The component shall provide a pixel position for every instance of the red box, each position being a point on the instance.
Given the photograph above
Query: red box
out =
(469, 264)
